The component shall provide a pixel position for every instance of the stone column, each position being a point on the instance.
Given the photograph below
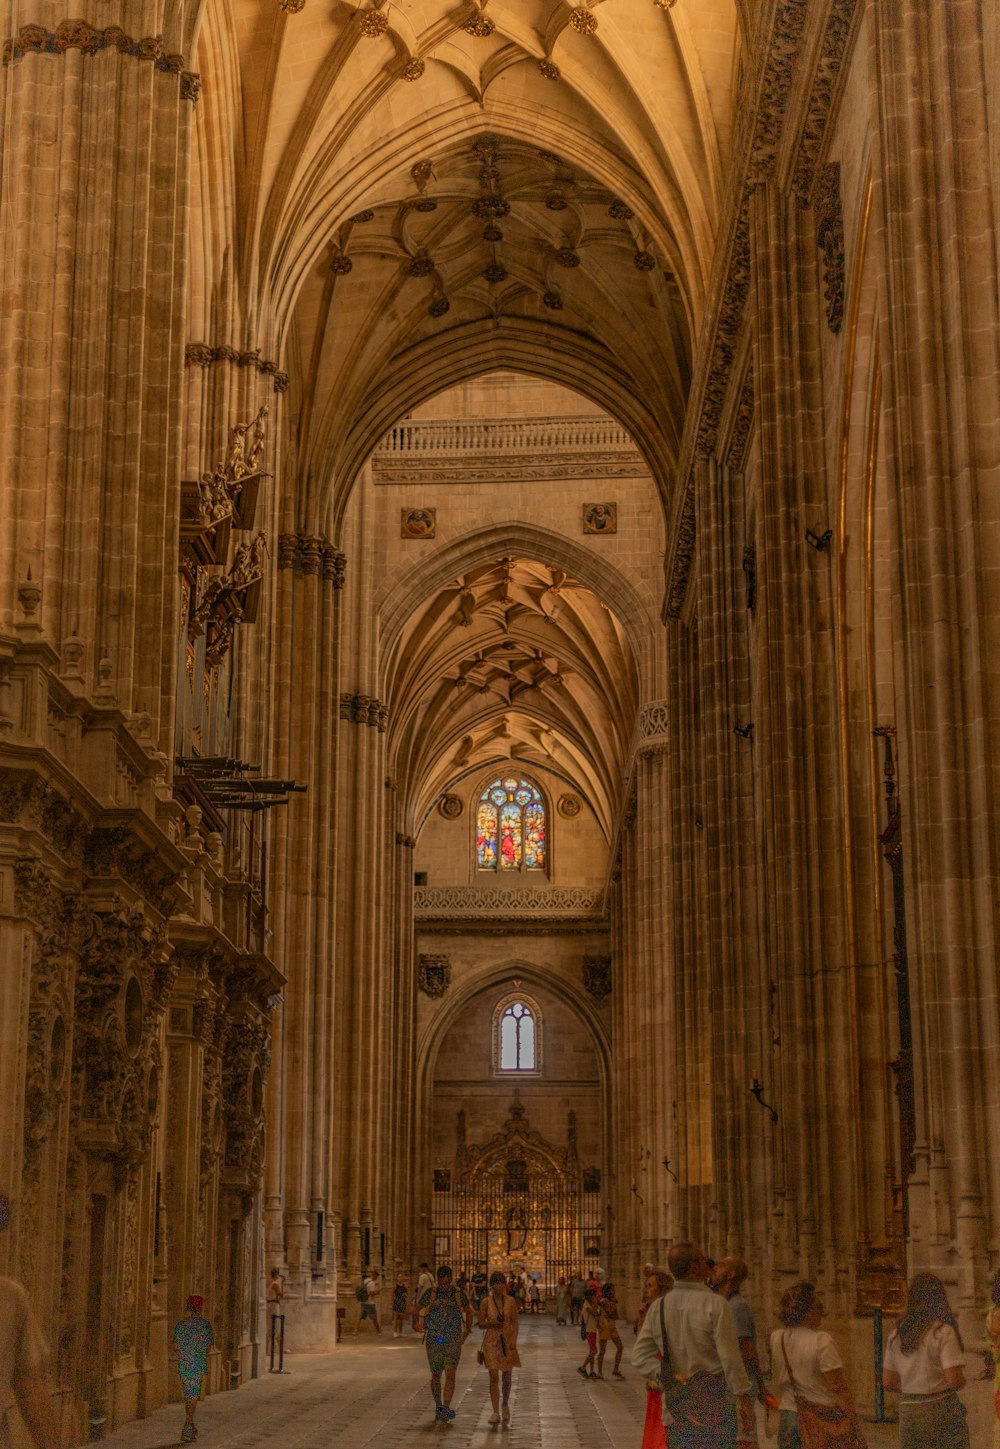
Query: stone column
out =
(936, 170)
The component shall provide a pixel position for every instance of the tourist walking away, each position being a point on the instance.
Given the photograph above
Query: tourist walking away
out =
(193, 1337)
(728, 1277)
(815, 1404)
(498, 1318)
(607, 1331)
(478, 1286)
(445, 1316)
(577, 1288)
(425, 1280)
(704, 1380)
(400, 1303)
(657, 1282)
(372, 1287)
(23, 1358)
(535, 1296)
(590, 1322)
(925, 1364)
(562, 1301)
(993, 1338)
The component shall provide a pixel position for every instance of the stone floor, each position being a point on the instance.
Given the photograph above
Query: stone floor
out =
(374, 1391)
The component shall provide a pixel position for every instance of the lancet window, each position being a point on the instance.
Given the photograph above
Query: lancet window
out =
(510, 827)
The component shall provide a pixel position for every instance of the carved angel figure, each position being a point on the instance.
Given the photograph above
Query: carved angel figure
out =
(240, 462)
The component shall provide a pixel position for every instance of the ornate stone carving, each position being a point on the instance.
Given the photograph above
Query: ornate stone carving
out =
(833, 50)
(90, 39)
(741, 426)
(620, 211)
(374, 23)
(202, 354)
(569, 806)
(414, 69)
(480, 26)
(830, 240)
(190, 86)
(584, 22)
(439, 307)
(433, 975)
(470, 902)
(549, 69)
(417, 522)
(644, 261)
(495, 272)
(246, 1059)
(312, 555)
(566, 257)
(450, 806)
(600, 518)
(750, 575)
(553, 300)
(597, 976)
(364, 709)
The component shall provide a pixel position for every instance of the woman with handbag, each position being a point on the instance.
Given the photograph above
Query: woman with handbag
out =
(925, 1363)
(816, 1408)
(498, 1317)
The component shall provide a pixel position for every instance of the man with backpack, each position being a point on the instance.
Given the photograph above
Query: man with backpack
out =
(367, 1295)
(445, 1315)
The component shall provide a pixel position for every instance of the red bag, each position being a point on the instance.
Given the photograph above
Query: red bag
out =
(653, 1433)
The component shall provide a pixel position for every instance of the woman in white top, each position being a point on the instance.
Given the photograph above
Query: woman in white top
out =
(805, 1365)
(925, 1362)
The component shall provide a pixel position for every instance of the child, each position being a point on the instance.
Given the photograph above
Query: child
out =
(193, 1338)
(590, 1319)
(400, 1297)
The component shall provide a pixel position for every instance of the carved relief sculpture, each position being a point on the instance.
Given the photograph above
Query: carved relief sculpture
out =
(600, 518)
(433, 975)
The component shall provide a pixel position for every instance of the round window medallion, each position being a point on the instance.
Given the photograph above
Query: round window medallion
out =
(569, 806)
(451, 807)
(132, 1016)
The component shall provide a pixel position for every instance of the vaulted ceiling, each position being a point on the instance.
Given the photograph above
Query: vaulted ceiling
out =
(428, 189)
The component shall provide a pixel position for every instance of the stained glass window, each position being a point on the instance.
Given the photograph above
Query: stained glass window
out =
(517, 1039)
(510, 826)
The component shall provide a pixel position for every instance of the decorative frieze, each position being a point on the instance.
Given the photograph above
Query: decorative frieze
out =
(202, 354)
(366, 710)
(833, 52)
(312, 555)
(469, 902)
(90, 39)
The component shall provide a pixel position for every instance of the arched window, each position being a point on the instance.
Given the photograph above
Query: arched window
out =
(518, 1046)
(510, 826)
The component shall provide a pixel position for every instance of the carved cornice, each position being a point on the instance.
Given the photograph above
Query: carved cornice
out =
(470, 902)
(365, 709)
(90, 39)
(202, 354)
(312, 555)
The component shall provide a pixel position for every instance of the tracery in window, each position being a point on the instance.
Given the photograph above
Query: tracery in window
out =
(510, 826)
(517, 1039)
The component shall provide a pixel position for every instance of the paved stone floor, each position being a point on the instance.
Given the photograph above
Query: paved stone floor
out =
(374, 1391)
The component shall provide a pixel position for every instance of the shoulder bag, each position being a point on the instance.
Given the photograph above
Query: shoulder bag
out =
(823, 1426)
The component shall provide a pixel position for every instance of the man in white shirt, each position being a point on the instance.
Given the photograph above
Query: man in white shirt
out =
(425, 1282)
(703, 1371)
(370, 1309)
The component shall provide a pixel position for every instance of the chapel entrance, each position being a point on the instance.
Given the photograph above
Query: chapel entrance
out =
(518, 1202)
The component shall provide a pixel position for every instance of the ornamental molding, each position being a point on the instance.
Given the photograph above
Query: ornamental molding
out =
(313, 556)
(761, 128)
(90, 39)
(202, 354)
(366, 710)
(504, 469)
(472, 902)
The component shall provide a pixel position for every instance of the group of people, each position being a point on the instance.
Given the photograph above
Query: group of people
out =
(697, 1344)
(443, 1312)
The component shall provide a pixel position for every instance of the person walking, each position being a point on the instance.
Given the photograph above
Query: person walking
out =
(808, 1375)
(925, 1363)
(425, 1281)
(728, 1277)
(400, 1302)
(478, 1286)
(193, 1338)
(704, 1379)
(562, 1301)
(656, 1284)
(23, 1359)
(444, 1315)
(577, 1288)
(369, 1308)
(590, 1319)
(498, 1317)
(535, 1297)
(607, 1331)
(993, 1338)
